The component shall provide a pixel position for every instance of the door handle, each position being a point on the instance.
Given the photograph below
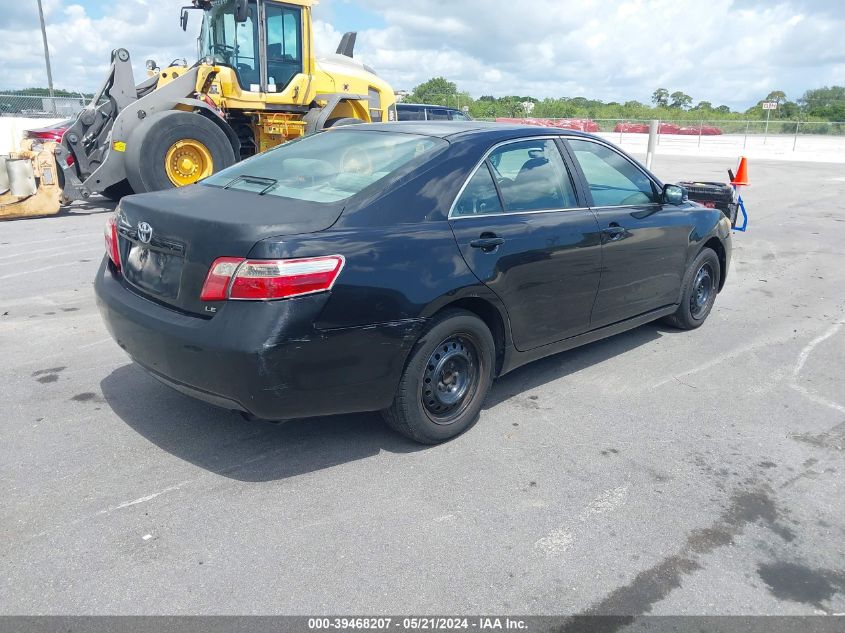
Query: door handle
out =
(487, 242)
(614, 232)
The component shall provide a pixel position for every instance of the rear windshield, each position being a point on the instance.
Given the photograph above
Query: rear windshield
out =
(325, 167)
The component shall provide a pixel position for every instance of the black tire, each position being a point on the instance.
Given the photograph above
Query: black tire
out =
(117, 191)
(700, 286)
(342, 121)
(148, 144)
(466, 361)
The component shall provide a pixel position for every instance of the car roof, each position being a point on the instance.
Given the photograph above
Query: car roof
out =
(448, 129)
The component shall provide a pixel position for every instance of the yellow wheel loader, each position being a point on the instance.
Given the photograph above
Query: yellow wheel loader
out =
(257, 84)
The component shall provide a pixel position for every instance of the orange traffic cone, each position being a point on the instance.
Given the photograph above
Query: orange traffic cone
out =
(741, 178)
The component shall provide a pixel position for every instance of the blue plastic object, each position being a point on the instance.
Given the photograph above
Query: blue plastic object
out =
(741, 204)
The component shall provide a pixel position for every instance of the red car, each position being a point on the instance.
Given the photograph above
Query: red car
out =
(49, 133)
(55, 133)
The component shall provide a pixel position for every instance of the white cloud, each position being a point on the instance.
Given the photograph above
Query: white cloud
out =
(80, 46)
(723, 51)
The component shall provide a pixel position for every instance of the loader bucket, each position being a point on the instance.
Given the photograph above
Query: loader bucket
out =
(33, 187)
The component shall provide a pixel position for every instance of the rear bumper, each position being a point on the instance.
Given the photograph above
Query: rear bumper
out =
(263, 358)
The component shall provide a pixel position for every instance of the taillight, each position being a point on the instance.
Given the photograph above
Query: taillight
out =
(220, 274)
(262, 279)
(111, 241)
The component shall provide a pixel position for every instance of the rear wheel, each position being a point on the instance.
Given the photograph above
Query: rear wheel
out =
(701, 284)
(446, 380)
(175, 149)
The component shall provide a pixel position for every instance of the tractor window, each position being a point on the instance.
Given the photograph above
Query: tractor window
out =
(284, 48)
(233, 44)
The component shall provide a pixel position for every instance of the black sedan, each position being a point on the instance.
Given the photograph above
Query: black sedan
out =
(400, 268)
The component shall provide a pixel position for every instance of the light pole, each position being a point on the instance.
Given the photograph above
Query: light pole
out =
(46, 49)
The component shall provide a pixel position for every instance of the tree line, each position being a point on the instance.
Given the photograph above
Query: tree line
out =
(819, 104)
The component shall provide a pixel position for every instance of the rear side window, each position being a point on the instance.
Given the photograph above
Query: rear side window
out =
(410, 114)
(326, 167)
(479, 196)
(438, 114)
(613, 179)
(532, 176)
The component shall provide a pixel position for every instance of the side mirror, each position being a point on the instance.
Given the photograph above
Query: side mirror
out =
(674, 194)
(241, 10)
(183, 20)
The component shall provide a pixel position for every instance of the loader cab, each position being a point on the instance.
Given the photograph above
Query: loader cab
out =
(264, 59)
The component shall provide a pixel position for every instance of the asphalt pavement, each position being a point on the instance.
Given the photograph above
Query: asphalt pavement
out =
(658, 472)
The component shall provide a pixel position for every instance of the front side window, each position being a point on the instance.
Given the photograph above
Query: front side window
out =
(284, 50)
(532, 176)
(326, 167)
(231, 43)
(479, 197)
(438, 114)
(613, 179)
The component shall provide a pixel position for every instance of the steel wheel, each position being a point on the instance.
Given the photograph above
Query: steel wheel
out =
(702, 291)
(450, 379)
(188, 161)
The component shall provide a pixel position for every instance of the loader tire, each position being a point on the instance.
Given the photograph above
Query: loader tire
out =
(154, 149)
(342, 121)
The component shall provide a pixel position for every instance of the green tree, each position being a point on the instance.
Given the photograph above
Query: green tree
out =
(776, 95)
(512, 106)
(788, 110)
(437, 90)
(45, 92)
(660, 97)
(680, 100)
(825, 103)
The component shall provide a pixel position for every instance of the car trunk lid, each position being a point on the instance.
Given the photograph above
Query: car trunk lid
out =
(169, 239)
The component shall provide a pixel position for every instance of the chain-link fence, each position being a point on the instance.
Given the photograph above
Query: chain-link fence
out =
(704, 127)
(40, 106)
(780, 135)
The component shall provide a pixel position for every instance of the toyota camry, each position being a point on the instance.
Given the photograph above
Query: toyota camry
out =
(401, 268)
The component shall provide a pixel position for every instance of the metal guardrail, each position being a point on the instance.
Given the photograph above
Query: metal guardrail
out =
(38, 106)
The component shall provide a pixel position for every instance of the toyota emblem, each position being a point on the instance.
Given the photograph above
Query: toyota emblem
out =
(145, 232)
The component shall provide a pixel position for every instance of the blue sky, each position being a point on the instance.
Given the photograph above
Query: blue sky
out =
(724, 51)
(350, 14)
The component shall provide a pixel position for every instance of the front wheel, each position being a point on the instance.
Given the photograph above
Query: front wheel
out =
(446, 379)
(175, 149)
(701, 284)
